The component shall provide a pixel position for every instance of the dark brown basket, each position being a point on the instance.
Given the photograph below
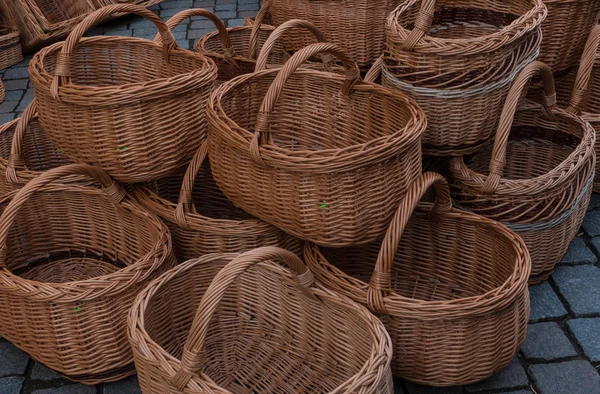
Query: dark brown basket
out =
(73, 259)
(449, 286)
(536, 175)
(102, 100)
(260, 327)
(10, 47)
(213, 224)
(324, 157)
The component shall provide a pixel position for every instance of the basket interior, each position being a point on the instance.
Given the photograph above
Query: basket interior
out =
(312, 114)
(442, 261)
(56, 11)
(265, 335)
(77, 233)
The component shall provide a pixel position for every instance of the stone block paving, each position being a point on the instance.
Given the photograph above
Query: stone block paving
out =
(561, 354)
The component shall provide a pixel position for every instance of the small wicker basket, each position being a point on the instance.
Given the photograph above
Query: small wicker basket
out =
(10, 47)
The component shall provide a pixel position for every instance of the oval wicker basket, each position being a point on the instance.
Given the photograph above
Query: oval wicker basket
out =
(10, 47)
(535, 176)
(73, 259)
(260, 327)
(102, 100)
(322, 156)
(444, 282)
(214, 224)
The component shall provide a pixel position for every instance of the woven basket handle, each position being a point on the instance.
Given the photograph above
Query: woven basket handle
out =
(113, 190)
(256, 26)
(62, 72)
(381, 280)
(586, 66)
(15, 159)
(185, 203)
(519, 86)
(375, 70)
(193, 352)
(422, 25)
(261, 61)
(263, 118)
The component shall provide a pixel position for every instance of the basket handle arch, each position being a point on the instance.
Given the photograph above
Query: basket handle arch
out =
(375, 70)
(112, 189)
(185, 202)
(261, 133)
(584, 73)
(15, 158)
(261, 60)
(381, 280)
(422, 25)
(193, 352)
(517, 89)
(62, 72)
(255, 28)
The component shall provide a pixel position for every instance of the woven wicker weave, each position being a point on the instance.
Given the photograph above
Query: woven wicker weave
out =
(10, 47)
(2, 91)
(449, 286)
(565, 31)
(357, 26)
(260, 327)
(103, 100)
(213, 225)
(536, 170)
(322, 156)
(73, 259)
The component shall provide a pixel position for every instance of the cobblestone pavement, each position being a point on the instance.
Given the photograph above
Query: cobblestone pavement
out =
(561, 354)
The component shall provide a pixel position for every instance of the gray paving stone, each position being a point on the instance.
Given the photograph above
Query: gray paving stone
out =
(8, 106)
(580, 286)
(220, 6)
(129, 385)
(517, 392)
(141, 23)
(198, 23)
(570, 377)
(184, 4)
(591, 223)
(11, 385)
(13, 361)
(23, 104)
(587, 334)
(204, 3)
(245, 14)
(414, 388)
(16, 73)
(546, 341)
(235, 22)
(70, 389)
(594, 201)
(43, 373)
(13, 95)
(578, 253)
(511, 377)
(226, 14)
(4, 118)
(15, 84)
(596, 244)
(248, 7)
(122, 33)
(169, 12)
(545, 304)
(196, 34)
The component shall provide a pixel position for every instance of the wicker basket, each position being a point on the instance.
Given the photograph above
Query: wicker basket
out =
(565, 31)
(458, 64)
(449, 286)
(73, 259)
(357, 26)
(213, 225)
(260, 327)
(123, 86)
(10, 47)
(322, 156)
(535, 176)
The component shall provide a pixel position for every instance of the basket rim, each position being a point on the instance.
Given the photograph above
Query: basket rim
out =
(405, 307)
(152, 351)
(154, 89)
(542, 183)
(8, 33)
(319, 161)
(520, 27)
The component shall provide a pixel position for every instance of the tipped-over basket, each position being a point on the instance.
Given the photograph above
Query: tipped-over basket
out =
(260, 326)
(536, 176)
(202, 220)
(449, 286)
(130, 106)
(323, 156)
(73, 258)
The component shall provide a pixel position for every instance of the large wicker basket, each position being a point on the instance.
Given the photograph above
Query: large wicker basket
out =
(322, 156)
(449, 286)
(535, 176)
(10, 47)
(260, 327)
(214, 224)
(102, 100)
(458, 61)
(73, 259)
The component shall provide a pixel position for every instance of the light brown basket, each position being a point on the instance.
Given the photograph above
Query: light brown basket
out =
(565, 31)
(535, 176)
(102, 100)
(260, 327)
(449, 286)
(73, 259)
(356, 26)
(322, 156)
(213, 224)
(10, 47)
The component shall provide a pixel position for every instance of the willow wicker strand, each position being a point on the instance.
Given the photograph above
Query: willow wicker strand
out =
(10, 47)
